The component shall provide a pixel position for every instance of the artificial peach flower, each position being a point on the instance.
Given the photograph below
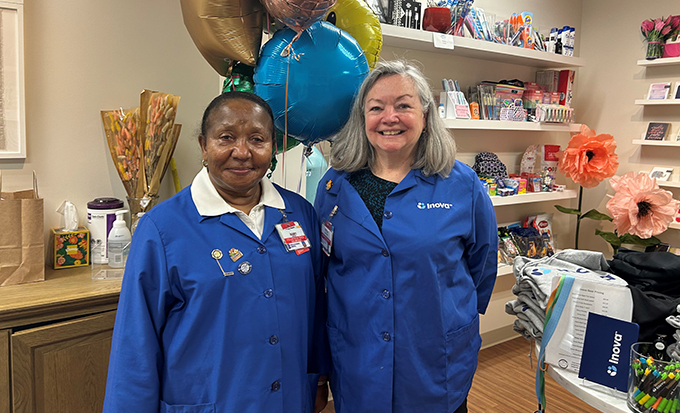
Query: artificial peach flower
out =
(589, 158)
(639, 206)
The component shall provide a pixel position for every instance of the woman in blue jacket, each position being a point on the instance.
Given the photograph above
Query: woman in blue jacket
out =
(216, 312)
(412, 244)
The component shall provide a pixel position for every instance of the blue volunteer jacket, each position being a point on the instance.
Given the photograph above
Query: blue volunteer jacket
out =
(403, 306)
(189, 339)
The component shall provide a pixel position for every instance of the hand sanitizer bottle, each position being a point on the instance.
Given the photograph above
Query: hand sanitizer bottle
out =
(119, 241)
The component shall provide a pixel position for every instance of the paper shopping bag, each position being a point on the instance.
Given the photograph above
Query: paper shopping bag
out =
(22, 247)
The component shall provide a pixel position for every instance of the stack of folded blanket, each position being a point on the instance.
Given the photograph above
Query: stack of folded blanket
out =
(534, 284)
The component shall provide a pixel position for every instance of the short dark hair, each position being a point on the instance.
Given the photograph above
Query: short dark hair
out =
(226, 96)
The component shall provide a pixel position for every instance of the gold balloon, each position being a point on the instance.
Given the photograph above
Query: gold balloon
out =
(356, 18)
(225, 30)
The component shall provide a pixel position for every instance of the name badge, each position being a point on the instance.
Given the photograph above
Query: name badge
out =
(327, 237)
(293, 237)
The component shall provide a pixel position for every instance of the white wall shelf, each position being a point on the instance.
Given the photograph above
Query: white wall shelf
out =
(669, 184)
(645, 142)
(532, 197)
(473, 124)
(504, 269)
(668, 61)
(673, 225)
(647, 102)
(394, 36)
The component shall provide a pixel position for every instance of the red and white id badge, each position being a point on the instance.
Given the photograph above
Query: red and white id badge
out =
(293, 237)
(326, 237)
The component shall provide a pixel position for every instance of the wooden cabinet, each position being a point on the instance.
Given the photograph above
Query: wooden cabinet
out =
(62, 367)
(4, 372)
(55, 340)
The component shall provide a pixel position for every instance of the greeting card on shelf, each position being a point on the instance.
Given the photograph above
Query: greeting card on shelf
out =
(659, 91)
(657, 131)
(661, 173)
(676, 91)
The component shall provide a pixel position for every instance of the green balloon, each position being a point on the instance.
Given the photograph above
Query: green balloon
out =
(241, 79)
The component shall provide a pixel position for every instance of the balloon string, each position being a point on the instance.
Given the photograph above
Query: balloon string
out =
(289, 48)
(285, 125)
(302, 170)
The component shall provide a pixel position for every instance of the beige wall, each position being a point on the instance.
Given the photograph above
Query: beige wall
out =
(85, 56)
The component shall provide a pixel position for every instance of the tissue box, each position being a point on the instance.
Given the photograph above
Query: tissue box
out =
(70, 248)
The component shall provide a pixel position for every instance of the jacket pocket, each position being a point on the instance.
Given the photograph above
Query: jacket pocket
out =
(187, 408)
(462, 349)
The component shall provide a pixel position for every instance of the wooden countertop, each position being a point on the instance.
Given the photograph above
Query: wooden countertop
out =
(64, 293)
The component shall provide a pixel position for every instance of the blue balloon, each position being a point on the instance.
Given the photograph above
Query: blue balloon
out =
(325, 69)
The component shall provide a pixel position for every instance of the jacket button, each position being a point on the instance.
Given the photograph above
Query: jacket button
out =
(385, 253)
(273, 339)
(268, 293)
(261, 249)
(386, 294)
(386, 336)
(388, 214)
(276, 386)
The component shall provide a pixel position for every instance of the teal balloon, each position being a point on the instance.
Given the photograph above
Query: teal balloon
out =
(324, 70)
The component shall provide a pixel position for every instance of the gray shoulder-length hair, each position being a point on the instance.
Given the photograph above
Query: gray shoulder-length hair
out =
(436, 150)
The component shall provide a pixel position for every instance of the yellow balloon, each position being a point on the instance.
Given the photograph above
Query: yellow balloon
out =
(356, 18)
(225, 30)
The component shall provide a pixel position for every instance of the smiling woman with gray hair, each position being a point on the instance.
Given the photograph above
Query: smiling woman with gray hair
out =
(412, 244)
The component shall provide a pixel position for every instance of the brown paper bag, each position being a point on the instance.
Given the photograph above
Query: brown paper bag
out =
(22, 247)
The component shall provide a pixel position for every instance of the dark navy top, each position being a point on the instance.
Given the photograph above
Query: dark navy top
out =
(373, 191)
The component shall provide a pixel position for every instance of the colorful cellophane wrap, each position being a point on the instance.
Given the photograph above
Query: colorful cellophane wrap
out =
(121, 127)
(142, 141)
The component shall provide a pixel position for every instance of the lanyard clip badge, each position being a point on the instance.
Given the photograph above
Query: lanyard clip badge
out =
(327, 232)
(293, 236)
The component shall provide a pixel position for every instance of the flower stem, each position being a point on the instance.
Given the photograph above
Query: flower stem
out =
(578, 217)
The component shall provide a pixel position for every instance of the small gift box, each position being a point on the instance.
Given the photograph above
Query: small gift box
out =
(70, 248)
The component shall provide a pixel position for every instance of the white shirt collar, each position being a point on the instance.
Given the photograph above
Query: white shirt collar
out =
(210, 203)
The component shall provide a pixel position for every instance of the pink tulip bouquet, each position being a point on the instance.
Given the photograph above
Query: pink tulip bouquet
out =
(656, 31)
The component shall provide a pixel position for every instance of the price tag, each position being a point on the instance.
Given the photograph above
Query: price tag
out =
(443, 41)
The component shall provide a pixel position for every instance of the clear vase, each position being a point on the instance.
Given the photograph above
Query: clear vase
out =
(138, 207)
(654, 50)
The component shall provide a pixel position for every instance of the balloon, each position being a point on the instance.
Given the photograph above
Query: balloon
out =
(240, 79)
(316, 167)
(225, 30)
(298, 14)
(324, 71)
(358, 19)
(290, 143)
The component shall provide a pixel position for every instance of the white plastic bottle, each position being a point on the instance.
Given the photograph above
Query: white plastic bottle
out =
(119, 241)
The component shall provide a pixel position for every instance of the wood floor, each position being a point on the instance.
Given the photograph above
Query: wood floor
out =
(504, 382)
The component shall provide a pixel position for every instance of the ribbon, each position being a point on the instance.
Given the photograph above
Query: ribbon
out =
(556, 304)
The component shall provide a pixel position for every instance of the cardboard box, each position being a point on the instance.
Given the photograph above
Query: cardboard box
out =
(70, 248)
(566, 87)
